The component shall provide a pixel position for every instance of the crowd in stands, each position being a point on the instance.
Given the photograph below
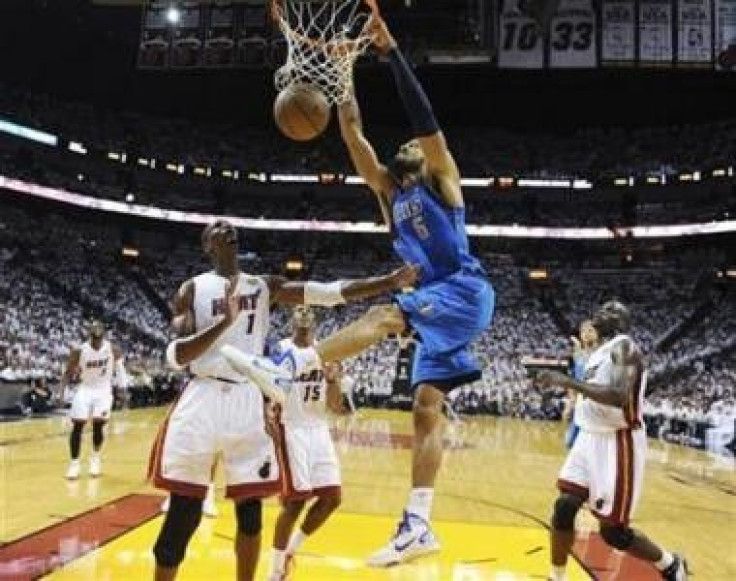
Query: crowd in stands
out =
(481, 151)
(57, 273)
(598, 154)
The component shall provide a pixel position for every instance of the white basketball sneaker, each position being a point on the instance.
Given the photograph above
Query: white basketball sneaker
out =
(72, 473)
(413, 538)
(288, 571)
(209, 508)
(95, 466)
(677, 571)
(275, 381)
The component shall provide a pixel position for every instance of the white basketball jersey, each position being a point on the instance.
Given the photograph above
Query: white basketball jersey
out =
(596, 417)
(306, 404)
(247, 333)
(96, 366)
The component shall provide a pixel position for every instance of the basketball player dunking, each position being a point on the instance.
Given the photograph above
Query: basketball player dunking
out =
(606, 464)
(219, 412)
(421, 201)
(311, 466)
(96, 361)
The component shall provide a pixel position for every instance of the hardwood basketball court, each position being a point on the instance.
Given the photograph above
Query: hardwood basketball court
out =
(492, 504)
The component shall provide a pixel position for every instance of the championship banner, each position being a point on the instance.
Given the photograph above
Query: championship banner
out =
(572, 38)
(726, 34)
(656, 26)
(521, 45)
(618, 38)
(694, 26)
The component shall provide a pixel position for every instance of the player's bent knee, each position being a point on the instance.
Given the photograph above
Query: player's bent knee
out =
(428, 400)
(388, 318)
(332, 502)
(565, 511)
(181, 522)
(249, 514)
(294, 508)
(620, 537)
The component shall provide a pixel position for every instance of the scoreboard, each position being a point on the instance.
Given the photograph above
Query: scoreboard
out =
(614, 33)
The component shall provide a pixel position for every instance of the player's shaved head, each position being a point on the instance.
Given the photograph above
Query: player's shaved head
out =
(96, 329)
(218, 236)
(612, 318)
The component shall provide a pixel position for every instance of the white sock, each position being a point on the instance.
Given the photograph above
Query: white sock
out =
(296, 540)
(279, 560)
(210, 493)
(74, 461)
(666, 560)
(95, 456)
(420, 502)
(557, 573)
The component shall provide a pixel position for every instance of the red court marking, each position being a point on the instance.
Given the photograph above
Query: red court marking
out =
(42, 551)
(609, 565)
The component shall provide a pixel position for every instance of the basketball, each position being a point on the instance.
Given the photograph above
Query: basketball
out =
(302, 111)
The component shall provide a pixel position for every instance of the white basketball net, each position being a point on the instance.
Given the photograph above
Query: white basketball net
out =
(324, 39)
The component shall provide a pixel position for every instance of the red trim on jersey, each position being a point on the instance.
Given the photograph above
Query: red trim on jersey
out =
(631, 408)
(252, 490)
(624, 491)
(327, 491)
(155, 468)
(572, 488)
(181, 488)
(288, 490)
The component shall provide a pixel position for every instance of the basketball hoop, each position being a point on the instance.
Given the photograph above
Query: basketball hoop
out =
(324, 39)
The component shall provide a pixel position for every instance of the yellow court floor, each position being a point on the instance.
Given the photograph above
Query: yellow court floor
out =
(492, 501)
(470, 553)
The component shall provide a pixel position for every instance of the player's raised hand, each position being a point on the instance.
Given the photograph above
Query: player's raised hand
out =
(576, 346)
(383, 40)
(232, 301)
(406, 276)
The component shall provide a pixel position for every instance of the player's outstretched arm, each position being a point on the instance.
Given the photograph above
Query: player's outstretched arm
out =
(441, 165)
(363, 155)
(605, 394)
(339, 292)
(627, 362)
(189, 345)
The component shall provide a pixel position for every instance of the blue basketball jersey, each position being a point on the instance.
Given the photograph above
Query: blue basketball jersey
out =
(431, 234)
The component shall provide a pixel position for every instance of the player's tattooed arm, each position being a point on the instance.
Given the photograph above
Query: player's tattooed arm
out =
(363, 155)
(334, 293)
(190, 345)
(441, 165)
(442, 168)
(627, 364)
